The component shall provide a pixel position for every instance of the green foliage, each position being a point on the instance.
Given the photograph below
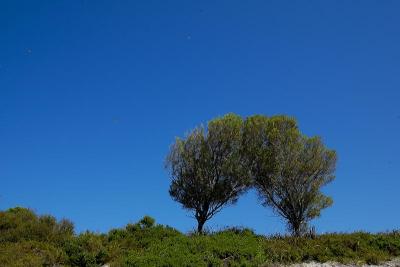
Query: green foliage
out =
(198, 250)
(147, 222)
(87, 249)
(241, 247)
(30, 240)
(207, 169)
(213, 166)
(18, 224)
(146, 243)
(346, 248)
(288, 168)
(30, 253)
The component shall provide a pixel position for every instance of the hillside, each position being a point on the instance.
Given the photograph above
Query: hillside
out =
(27, 239)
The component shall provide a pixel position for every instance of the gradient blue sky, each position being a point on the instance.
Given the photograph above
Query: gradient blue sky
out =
(92, 94)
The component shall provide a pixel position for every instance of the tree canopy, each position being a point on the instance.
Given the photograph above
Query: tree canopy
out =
(288, 168)
(213, 166)
(207, 168)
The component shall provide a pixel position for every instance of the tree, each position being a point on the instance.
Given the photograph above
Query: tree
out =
(288, 169)
(206, 168)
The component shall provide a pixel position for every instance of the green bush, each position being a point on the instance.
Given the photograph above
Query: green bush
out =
(30, 253)
(20, 224)
(345, 248)
(147, 222)
(27, 239)
(87, 249)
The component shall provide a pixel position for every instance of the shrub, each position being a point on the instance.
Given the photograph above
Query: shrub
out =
(87, 249)
(147, 222)
(31, 240)
(20, 224)
(30, 253)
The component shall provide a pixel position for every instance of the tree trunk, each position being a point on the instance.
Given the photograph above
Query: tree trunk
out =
(298, 228)
(295, 225)
(200, 224)
(296, 232)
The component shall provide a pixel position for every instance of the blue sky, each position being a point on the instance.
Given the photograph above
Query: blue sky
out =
(92, 94)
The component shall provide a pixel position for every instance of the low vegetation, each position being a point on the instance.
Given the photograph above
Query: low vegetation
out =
(27, 239)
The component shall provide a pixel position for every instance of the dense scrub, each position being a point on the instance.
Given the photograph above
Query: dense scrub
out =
(30, 240)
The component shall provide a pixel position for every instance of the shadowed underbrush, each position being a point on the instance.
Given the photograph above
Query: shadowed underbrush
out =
(27, 239)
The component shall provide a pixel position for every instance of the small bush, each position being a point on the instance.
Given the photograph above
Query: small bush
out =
(20, 224)
(30, 253)
(87, 249)
(147, 222)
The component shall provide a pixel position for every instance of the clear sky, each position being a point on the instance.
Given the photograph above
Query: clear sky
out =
(92, 94)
